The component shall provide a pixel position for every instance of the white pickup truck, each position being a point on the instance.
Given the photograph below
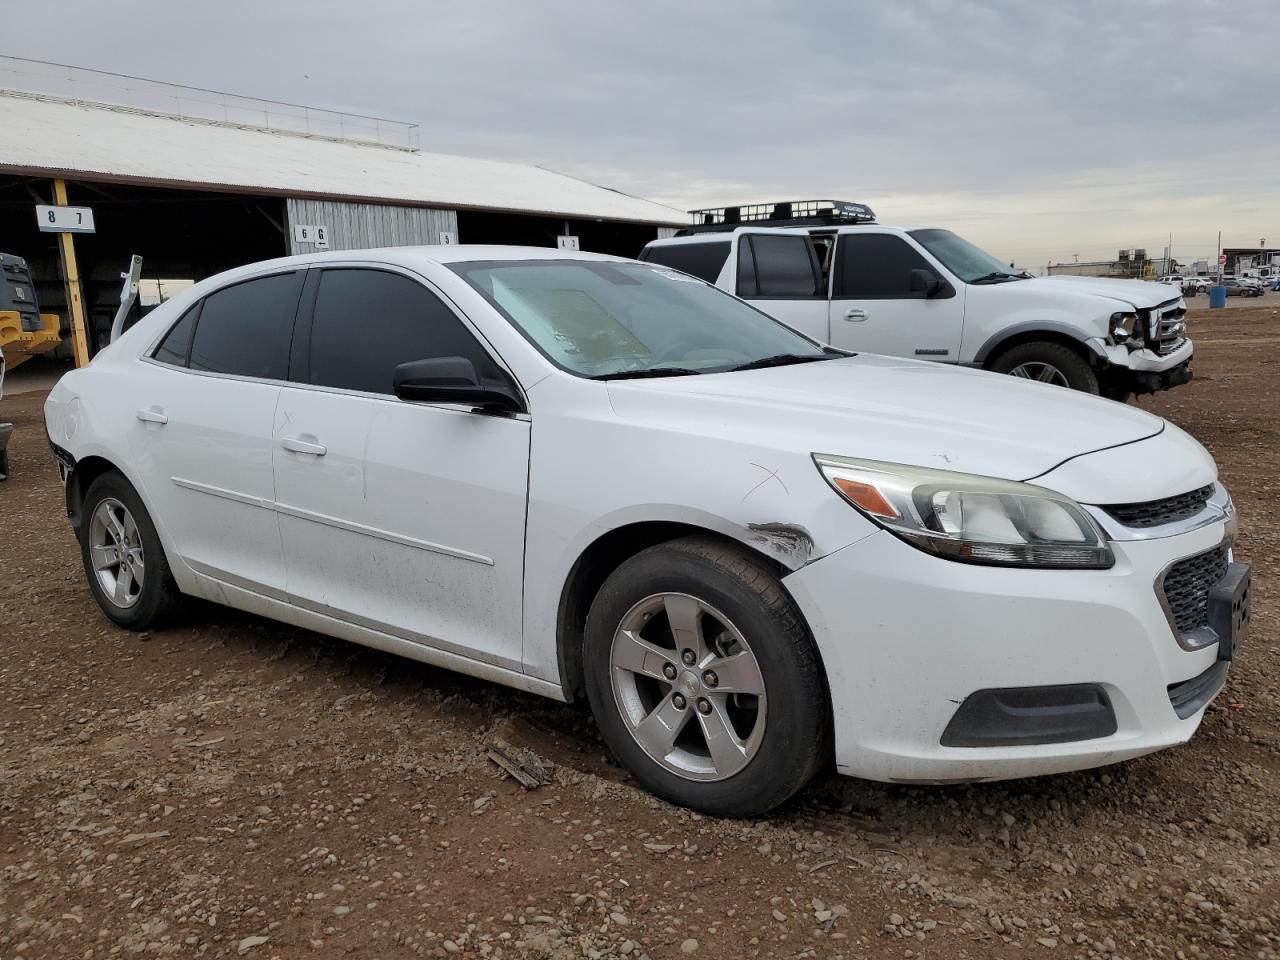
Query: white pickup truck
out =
(829, 270)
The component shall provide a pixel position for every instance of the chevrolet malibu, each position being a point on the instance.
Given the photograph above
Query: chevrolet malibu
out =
(579, 475)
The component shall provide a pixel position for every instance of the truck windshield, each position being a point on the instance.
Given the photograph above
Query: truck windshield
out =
(969, 263)
(623, 320)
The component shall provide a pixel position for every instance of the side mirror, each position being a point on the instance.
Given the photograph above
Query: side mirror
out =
(451, 380)
(926, 283)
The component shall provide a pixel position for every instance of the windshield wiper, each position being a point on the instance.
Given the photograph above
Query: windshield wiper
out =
(998, 275)
(781, 360)
(648, 372)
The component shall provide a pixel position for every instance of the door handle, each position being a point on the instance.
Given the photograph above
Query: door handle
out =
(856, 315)
(304, 444)
(153, 415)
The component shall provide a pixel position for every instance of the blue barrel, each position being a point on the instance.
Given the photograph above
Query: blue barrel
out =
(1218, 296)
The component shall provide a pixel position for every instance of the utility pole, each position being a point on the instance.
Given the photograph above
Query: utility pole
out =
(71, 275)
(1219, 254)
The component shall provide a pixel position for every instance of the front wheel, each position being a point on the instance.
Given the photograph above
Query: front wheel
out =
(704, 680)
(1051, 363)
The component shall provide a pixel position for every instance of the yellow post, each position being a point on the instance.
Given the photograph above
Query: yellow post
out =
(71, 274)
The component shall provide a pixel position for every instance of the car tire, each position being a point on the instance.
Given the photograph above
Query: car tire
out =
(1050, 363)
(736, 607)
(139, 592)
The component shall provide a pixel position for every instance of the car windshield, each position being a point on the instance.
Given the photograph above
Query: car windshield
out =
(618, 320)
(971, 264)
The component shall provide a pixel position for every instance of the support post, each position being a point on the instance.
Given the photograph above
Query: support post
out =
(71, 276)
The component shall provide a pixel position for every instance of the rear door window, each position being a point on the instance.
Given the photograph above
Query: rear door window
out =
(701, 260)
(246, 329)
(785, 267)
(395, 319)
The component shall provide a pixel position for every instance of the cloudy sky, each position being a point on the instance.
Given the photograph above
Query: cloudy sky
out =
(1040, 130)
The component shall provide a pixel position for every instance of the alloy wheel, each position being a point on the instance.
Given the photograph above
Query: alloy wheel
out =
(1041, 372)
(688, 687)
(115, 549)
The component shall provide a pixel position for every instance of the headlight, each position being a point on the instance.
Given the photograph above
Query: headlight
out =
(969, 518)
(1122, 326)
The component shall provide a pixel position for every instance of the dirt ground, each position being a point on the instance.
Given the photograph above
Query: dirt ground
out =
(231, 787)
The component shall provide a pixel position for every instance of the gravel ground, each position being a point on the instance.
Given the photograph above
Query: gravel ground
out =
(231, 787)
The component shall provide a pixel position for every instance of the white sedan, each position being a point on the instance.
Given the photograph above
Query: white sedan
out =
(575, 474)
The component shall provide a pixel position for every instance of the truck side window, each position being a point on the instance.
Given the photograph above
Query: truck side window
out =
(747, 286)
(785, 266)
(701, 260)
(875, 266)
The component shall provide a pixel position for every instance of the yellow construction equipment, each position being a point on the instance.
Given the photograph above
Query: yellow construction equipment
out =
(19, 345)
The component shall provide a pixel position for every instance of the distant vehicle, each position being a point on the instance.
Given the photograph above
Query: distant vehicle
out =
(1241, 287)
(571, 473)
(827, 268)
(1189, 286)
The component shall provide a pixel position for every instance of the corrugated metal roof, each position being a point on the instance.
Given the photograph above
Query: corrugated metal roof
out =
(49, 136)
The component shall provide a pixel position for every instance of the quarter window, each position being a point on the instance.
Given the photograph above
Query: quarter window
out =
(176, 344)
(246, 329)
(368, 322)
(875, 266)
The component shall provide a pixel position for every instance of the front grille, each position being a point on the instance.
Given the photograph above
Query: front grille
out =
(1186, 588)
(1168, 327)
(1155, 513)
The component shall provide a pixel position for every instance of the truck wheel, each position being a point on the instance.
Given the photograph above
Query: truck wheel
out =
(703, 679)
(1048, 363)
(124, 562)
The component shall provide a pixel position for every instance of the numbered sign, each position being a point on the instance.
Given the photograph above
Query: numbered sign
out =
(567, 243)
(64, 219)
(448, 238)
(312, 233)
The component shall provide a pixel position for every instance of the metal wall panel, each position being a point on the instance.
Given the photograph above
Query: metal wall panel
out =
(354, 226)
(666, 233)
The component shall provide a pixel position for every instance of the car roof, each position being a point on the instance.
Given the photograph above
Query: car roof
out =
(448, 253)
(409, 257)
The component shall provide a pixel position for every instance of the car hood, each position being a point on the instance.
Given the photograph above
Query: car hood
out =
(884, 408)
(1139, 294)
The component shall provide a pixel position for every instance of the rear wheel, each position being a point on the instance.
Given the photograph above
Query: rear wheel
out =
(1045, 362)
(704, 680)
(124, 562)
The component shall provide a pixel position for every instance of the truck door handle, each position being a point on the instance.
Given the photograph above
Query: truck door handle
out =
(856, 315)
(153, 415)
(304, 444)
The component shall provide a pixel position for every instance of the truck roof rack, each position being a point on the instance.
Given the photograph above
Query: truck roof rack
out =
(785, 213)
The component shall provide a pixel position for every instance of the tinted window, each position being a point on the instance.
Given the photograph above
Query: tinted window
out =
(875, 266)
(368, 322)
(702, 260)
(246, 329)
(177, 342)
(785, 266)
(746, 269)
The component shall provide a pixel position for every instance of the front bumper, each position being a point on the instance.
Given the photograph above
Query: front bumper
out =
(906, 638)
(1144, 370)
